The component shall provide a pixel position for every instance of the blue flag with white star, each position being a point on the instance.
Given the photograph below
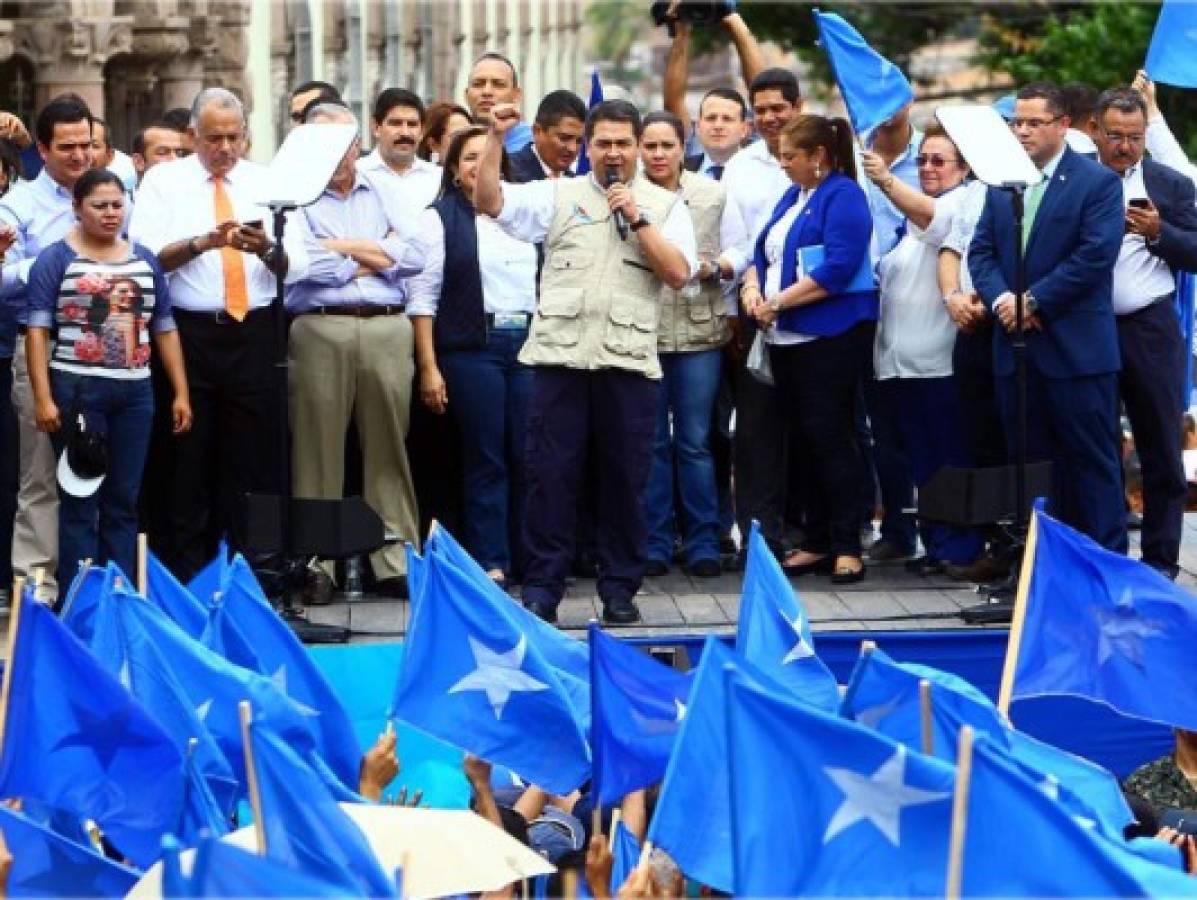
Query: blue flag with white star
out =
(245, 614)
(1108, 628)
(873, 88)
(774, 632)
(304, 826)
(692, 820)
(223, 870)
(46, 864)
(85, 593)
(166, 592)
(638, 705)
(76, 739)
(884, 694)
(473, 679)
(1054, 855)
(824, 807)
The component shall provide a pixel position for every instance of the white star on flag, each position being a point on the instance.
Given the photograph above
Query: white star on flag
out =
(800, 650)
(1123, 631)
(279, 679)
(498, 675)
(203, 709)
(879, 798)
(681, 710)
(871, 716)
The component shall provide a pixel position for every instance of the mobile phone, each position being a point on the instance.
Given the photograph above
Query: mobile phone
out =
(257, 223)
(1140, 203)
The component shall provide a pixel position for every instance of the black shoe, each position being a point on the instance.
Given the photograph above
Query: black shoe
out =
(924, 565)
(542, 611)
(317, 589)
(656, 567)
(820, 566)
(727, 545)
(705, 568)
(394, 588)
(848, 576)
(620, 611)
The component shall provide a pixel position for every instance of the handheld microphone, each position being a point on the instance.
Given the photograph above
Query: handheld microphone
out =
(621, 221)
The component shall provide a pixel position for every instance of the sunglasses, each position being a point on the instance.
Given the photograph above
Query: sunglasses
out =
(934, 160)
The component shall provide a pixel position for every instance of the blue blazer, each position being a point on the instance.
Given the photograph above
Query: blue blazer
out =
(1173, 195)
(1070, 259)
(837, 217)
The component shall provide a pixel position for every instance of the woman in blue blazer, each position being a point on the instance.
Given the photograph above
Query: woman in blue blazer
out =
(813, 293)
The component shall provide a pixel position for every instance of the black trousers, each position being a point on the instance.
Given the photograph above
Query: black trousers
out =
(573, 413)
(1153, 361)
(759, 458)
(972, 364)
(816, 384)
(231, 449)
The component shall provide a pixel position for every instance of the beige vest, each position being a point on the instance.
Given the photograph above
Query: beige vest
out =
(598, 295)
(695, 318)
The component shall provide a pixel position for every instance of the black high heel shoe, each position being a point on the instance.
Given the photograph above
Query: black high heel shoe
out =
(820, 566)
(842, 574)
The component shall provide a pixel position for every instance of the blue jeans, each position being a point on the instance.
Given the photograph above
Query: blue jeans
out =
(103, 527)
(689, 387)
(488, 399)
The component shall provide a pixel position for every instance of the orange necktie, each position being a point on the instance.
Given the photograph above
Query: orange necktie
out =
(236, 296)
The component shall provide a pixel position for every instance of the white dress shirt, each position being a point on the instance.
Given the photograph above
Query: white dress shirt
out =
(176, 202)
(528, 211)
(755, 182)
(1164, 148)
(1140, 277)
(775, 242)
(507, 266)
(405, 195)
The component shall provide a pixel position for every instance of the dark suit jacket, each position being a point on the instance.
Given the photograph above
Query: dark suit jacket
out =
(1070, 259)
(1173, 194)
(525, 166)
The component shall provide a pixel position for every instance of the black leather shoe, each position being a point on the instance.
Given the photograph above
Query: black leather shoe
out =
(542, 611)
(394, 588)
(705, 568)
(845, 575)
(620, 611)
(317, 589)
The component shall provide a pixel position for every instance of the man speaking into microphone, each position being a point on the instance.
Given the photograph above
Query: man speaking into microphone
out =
(610, 244)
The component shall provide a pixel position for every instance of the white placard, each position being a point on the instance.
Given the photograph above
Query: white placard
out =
(305, 163)
(988, 145)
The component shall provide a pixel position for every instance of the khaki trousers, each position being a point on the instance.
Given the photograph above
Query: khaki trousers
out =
(342, 366)
(35, 528)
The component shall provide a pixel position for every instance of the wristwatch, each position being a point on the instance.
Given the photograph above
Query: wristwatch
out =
(774, 306)
(640, 223)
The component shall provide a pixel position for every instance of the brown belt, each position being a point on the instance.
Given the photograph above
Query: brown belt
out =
(362, 312)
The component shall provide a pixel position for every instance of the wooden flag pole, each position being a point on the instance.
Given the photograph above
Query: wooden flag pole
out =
(14, 617)
(1006, 691)
(615, 817)
(596, 821)
(143, 577)
(646, 850)
(569, 883)
(964, 771)
(925, 713)
(251, 774)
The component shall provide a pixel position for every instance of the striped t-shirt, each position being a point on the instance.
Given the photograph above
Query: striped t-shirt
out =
(100, 313)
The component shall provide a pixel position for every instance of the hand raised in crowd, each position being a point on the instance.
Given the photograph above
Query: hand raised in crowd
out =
(504, 117)
(965, 310)
(13, 129)
(1185, 843)
(433, 390)
(379, 767)
(619, 197)
(1144, 221)
(874, 166)
(639, 884)
(1146, 87)
(477, 770)
(598, 867)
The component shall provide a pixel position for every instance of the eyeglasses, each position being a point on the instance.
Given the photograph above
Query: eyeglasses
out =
(1116, 137)
(1032, 123)
(934, 160)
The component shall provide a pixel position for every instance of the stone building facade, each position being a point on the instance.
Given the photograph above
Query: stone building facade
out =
(132, 59)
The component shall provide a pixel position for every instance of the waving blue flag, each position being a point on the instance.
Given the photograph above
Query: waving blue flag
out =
(473, 679)
(1106, 627)
(596, 97)
(625, 856)
(884, 694)
(1055, 855)
(223, 870)
(306, 829)
(167, 593)
(76, 739)
(638, 705)
(280, 656)
(140, 635)
(86, 593)
(1172, 54)
(692, 820)
(774, 631)
(873, 88)
(45, 864)
(208, 580)
(823, 807)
